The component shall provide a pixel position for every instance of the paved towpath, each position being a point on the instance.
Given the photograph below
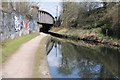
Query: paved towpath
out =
(21, 63)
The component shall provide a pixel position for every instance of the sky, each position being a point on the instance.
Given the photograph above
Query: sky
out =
(51, 5)
(53, 8)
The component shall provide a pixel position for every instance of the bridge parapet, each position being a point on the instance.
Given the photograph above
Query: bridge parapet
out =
(45, 17)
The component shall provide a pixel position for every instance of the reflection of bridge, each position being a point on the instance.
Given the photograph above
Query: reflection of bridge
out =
(46, 20)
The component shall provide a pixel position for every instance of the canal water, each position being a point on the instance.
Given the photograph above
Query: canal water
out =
(83, 60)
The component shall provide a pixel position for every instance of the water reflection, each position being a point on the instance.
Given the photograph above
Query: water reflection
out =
(67, 60)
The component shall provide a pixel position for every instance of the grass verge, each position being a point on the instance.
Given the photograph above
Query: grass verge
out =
(83, 32)
(104, 36)
(40, 62)
(10, 46)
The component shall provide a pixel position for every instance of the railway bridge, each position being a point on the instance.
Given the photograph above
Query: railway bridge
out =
(45, 21)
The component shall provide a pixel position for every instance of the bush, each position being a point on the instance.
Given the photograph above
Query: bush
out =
(112, 23)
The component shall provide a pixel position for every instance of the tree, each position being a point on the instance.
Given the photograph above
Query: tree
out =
(70, 13)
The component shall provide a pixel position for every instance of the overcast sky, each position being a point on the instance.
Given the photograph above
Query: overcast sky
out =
(51, 5)
(53, 8)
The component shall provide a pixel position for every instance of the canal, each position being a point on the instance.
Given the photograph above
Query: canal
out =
(68, 59)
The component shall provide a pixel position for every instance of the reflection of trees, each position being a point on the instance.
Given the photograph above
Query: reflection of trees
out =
(109, 57)
(87, 59)
(87, 70)
(65, 69)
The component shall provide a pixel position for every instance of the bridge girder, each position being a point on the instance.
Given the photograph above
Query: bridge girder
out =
(46, 20)
(45, 17)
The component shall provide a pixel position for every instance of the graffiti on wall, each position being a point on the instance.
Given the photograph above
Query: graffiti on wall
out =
(18, 23)
(13, 25)
(26, 25)
(32, 25)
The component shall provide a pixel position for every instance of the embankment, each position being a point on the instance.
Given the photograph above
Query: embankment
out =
(92, 35)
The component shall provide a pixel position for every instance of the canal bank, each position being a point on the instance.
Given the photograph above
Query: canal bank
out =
(41, 69)
(91, 35)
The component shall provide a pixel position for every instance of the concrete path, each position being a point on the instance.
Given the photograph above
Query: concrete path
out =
(20, 64)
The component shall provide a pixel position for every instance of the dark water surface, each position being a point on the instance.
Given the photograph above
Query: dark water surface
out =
(67, 60)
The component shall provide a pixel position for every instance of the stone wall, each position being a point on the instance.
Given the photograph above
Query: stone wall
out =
(13, 24)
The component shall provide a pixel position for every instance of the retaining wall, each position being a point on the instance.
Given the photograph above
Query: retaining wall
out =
(13, 24)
